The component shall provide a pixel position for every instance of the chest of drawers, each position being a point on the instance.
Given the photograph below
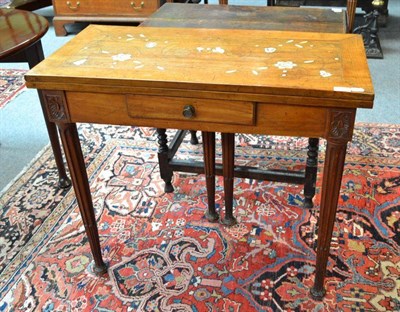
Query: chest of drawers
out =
(122, 11)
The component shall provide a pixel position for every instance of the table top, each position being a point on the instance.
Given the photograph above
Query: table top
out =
(322, 65)
(19, 29)
(248, 17)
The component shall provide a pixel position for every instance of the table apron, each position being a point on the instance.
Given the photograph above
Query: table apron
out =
(213, 115)
(221, 115)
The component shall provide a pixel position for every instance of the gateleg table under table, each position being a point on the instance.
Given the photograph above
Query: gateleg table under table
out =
(241, 17)
(248, 81)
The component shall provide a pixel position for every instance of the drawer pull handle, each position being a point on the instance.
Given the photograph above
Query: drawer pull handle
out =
(72, 7)
(188, 111)
(137, 8)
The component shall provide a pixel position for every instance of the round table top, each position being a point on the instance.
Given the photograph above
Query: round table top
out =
(19, 29)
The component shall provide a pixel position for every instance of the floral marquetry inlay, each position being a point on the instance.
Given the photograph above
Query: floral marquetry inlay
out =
(240, 60)
(143, 53)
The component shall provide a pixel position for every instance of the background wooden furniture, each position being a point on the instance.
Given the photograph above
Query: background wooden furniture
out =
(376, 15)
(105, 11)
(244, 17)
(365, 5)
(20, 33)
(350, 5)
(154, 80)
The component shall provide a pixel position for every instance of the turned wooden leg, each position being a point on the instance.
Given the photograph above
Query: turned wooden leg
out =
(34, 55)
(228, 157)
(209, 170)
(341, 123)
(193, 138)
(311, 172)
(163, 159)
(73, 153)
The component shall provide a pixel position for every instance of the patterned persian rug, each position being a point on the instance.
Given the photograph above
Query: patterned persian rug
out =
(162, 253)
(11, 84)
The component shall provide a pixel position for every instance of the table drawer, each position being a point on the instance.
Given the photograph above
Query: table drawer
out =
(104, 8)
(200, 110)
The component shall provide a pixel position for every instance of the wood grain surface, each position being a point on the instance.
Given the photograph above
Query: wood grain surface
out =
(248, 17)
(329, 66)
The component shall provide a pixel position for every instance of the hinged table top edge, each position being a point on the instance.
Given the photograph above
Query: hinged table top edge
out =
(211, 60)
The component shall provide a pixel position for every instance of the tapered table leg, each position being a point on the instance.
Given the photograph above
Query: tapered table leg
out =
(332, 177)
(34, 55)
(63, 180)
(209, 170)
(228, 158)
(311, 172)
(73, 153)
(163, 159)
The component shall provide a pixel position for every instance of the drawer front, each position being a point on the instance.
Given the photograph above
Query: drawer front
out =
(189, 109)
(105, 8)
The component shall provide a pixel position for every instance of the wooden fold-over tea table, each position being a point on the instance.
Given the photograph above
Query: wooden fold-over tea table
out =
(249, 81)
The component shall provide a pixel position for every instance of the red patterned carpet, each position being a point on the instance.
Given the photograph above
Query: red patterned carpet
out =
(164, 256)
(11, 84)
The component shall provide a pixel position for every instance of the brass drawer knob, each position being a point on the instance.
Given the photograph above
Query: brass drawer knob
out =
(188, 111)
(69, 5)
(133, 5)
